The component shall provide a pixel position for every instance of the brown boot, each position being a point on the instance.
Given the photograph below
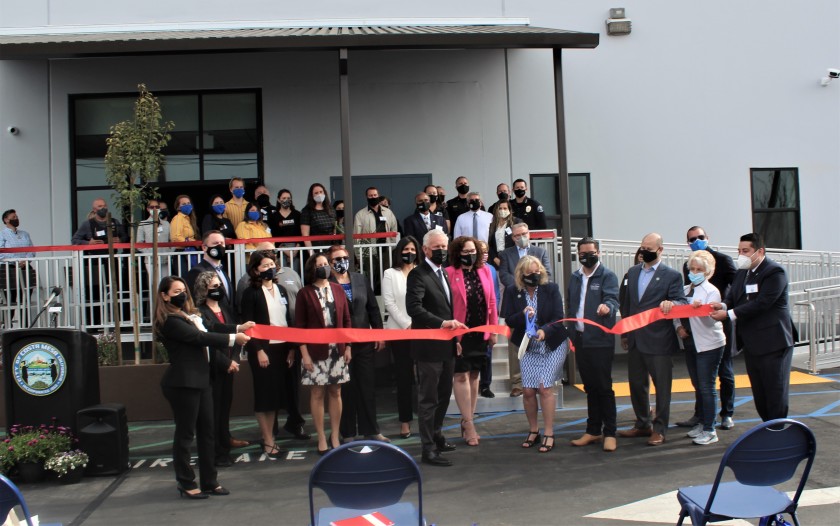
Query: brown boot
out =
(586, 439)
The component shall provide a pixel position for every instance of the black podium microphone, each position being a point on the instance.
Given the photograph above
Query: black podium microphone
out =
(54, 293)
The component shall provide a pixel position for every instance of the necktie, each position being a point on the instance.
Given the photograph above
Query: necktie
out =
(443, 282)
(475, 225)
(223, 279)
(427, 219)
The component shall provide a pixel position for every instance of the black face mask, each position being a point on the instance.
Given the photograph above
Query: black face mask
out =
(588, 261)
(264, 201)
(373, 201)
(339, 214)
(532, 280)
(217, 252)
(423, 206)
(14, 222)
(268, 274)
(178, 300)
(322, 272)
(648, 256)
(475, 204)
(216, 294)
(102, 212)
(468, 260)
(503, 196)
(519, 193)
(441, 198)
(163, 214)
(408, 257)
(438, 256)
(463, 189)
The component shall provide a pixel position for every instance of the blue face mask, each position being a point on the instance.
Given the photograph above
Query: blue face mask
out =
(699, 244)
(696, 279)
(238, 192)
(219, 209)
(185, 209)
(253, 216)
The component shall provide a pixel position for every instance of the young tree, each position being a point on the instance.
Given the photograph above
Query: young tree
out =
(133, 162)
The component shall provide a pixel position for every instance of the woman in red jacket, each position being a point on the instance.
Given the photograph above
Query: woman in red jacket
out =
(474, 304)
(321, 304)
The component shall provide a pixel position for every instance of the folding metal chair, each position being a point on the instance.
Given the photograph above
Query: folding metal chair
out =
(363, 477)
(10, 497)
(764, 456)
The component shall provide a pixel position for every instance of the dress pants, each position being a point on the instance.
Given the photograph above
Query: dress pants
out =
(661, 368)
(485, 376)
(513, 366)
(770, 380)
(726, 373)
(193, 412)
(358, 396)
(595, 366)
(702, 369)
(404, 372)
(434, 388)
(222, 401)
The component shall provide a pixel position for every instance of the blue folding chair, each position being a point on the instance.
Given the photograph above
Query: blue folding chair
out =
(10, 497)
(764, 456)
(363, 477)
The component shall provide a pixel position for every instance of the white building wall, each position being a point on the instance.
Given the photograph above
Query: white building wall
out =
(668, 120)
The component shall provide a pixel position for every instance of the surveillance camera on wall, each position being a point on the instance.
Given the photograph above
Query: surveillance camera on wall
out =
(833, 73)
(14, 130)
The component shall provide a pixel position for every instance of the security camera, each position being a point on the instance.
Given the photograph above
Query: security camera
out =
(833, 73)
(14, 130)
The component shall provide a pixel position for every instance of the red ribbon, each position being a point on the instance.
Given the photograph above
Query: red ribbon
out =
(348, 335)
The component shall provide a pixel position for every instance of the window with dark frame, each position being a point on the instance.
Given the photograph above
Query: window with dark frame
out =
(775, 206)
(217, 135)
(546, 186)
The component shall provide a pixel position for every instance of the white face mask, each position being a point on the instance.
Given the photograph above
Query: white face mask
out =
(743, 262)
(522, 241)
(319, 198)
(504, 213)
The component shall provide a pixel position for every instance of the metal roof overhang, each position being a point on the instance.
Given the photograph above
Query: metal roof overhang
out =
(242, 40)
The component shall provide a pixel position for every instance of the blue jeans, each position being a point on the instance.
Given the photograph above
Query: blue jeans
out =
(703, 368)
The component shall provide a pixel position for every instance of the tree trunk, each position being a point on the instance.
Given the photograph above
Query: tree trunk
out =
(114, 282)
(155, 278)
(135, 297)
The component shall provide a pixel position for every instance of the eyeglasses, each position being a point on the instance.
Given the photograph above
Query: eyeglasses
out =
(695, 238)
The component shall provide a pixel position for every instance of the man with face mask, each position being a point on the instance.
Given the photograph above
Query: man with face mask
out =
(373, 219)
(503, 193)
(437, 205)
(428, 301)
(145, 234)
(11, 278)
(508, 259)
(651, 284)
(724, 273)
(423, 220)
(757, 303)
(593, 295)
(213, 246)
(525, 208)
(94, 231)
(458, 204)
(475, 222)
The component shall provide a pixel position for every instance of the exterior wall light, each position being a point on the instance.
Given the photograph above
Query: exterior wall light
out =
(617, 23)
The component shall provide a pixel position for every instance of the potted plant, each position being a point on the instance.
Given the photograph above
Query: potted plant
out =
(29, 447)
(107, 349)
(68, 465)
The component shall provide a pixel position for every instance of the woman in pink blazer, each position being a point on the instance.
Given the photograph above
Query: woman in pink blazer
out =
(474, 304)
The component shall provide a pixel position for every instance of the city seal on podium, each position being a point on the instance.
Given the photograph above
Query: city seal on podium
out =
(39, 369)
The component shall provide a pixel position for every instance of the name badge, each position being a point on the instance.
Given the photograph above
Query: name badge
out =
(382, 218)
(268, 229)
(290, 281)
(223, 227)
(508, 230)
(625, 282)
(160, 230)
(595, 286)
(101, 233)
(752, 288)
(283, 300)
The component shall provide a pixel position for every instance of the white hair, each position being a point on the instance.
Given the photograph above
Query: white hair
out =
(435, 232)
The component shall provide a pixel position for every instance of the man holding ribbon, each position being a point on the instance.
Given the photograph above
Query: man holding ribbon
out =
(428, 301)
(651, 284)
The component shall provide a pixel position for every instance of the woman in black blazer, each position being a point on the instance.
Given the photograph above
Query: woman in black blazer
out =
(186, 382)
(209, 296)
(267, 303)
(535, 299)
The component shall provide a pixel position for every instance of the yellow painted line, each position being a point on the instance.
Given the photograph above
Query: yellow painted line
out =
(683, 385)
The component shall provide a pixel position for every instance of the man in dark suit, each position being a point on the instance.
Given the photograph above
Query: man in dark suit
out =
(757, 302)
(428, 300)
(509, 258)
(697, 239)
(420, 222)
(652, 284)
(213, 245)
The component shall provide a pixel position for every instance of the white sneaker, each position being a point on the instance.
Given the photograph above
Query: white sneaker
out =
(695, 432)
(705, 438)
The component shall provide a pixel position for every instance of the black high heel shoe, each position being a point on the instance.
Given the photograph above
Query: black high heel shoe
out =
(218, 490)
(187, 495)
(271, 451)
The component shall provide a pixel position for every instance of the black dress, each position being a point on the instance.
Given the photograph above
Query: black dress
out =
(473, 345)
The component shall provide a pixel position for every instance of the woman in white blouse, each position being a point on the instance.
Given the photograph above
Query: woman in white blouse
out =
(393, 296)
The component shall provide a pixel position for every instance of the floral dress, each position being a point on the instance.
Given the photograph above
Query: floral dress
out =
(333, 370)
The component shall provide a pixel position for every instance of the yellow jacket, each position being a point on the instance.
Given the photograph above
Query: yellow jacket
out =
(235, 212)
(180, 229)
(252, 230)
